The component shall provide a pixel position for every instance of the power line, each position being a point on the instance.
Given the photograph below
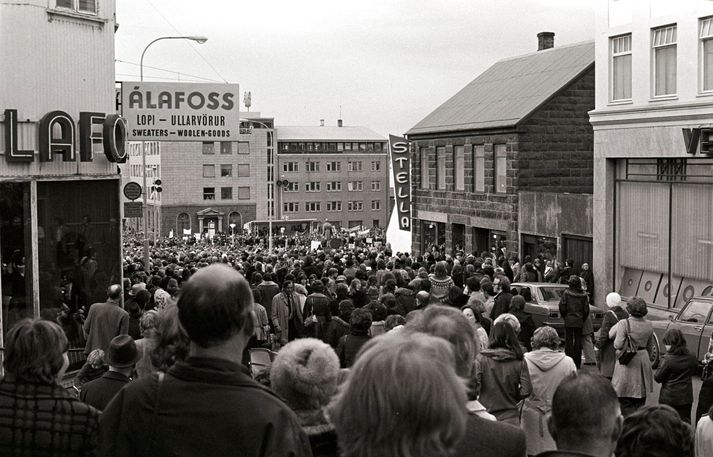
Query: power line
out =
(192, 46)
(160, 78)
(167, 71)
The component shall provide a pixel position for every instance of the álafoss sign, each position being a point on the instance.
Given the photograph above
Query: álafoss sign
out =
(157, 111)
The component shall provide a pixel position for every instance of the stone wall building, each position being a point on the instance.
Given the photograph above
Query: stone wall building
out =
(505, 165)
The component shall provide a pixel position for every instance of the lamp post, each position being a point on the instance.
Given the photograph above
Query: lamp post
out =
(199, 40)
(281, 184)
(232, 231)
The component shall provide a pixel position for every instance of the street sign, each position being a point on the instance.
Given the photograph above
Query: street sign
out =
(132, 190)
(133, 209)
(158, 111)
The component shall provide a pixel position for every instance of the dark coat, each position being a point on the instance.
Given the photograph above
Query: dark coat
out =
(486, 438)
(207, 407)
(335, 331)
(607, 353)
(317, 305)
(99, 392)
(104, 321)
(502, 304)
(348, 348)
(527, 328)
(58, 424)
(675, 374)
(574, 308)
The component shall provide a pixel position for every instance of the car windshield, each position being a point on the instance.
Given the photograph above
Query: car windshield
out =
(551, 293)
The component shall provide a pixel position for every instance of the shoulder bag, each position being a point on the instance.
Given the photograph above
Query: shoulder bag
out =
(630, 347)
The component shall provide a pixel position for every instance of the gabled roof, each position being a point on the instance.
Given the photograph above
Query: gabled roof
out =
(327, 133)
(509, 91)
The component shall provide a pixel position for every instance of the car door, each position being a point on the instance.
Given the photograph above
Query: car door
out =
(692, 320)
(705, 336)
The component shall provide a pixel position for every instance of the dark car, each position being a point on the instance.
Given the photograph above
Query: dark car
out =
(694, 320)
(544, 307)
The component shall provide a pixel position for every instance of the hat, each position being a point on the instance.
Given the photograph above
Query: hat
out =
(136, 288)
(305, 373)
(122, 352)
(341, 278)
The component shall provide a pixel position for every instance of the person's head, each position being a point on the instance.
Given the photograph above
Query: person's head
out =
(501, 284)
(422, 298)
(613, 300)
(114, 292)
(585, 266)
(376, 413)
(470, 313)
(394, 320)
(674, 342)
(503, 336)
(122, 353)
(172, 287)
(517, 304)
(215, 305)
(142, 298)
(360, 321)
(317, 287)
(655, 431)
(545, 337)
(305, 374)
(36, 351)
(585, 415)
(149, 323)
(96, 359)
(440, 270)
(510, 319)
(288, 286)
(378, 310)
(451, 325)
(346, 307)
(526, 294)
(575, 283)
(637, 307)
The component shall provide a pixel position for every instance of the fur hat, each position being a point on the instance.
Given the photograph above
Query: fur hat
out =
(305, 373)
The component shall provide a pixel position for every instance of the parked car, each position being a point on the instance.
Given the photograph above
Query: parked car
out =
(694, 320)
(545, 306)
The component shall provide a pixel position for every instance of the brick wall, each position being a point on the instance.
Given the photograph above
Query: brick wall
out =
(556, 144)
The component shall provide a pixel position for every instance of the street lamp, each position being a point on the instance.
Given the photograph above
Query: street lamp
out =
(199, 40)
(281, 184)
(232, 231)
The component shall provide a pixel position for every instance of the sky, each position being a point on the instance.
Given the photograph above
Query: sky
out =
(385, 63)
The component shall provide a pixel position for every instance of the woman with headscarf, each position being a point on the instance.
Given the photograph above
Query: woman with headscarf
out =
(607, 353)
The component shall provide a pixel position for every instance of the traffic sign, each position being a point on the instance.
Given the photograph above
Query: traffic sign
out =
(133, 209)
(132, 190)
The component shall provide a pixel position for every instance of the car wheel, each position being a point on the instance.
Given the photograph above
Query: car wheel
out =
(654, 351)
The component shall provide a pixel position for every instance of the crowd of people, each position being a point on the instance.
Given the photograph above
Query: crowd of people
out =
(370, 353)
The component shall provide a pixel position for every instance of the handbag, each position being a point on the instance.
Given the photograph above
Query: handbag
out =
(627, 353)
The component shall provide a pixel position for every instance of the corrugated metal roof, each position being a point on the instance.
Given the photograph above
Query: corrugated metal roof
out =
(509, 90)
(327, 133)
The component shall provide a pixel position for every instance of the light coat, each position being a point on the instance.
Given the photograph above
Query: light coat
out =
(635, 379)
(281, 317)
(547, 369)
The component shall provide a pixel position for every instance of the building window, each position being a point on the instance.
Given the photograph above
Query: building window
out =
(226, 170)
(334, 166)
(500, 168)
(334, 206)
(441, 167)
(243, 193)
(291, 166)
(313, 166)
(459, 167)
(479, 168)
(243, 170)
(209, 193)
(376, 205)
(378, 147)
(375, 186)
(621, 68)
(292, 187)
(664, 60)
(226, 193)
(334, 186)
(82, 6)
(375, 166)
(209, 171)
(355, 186)
(243, 147)
(357, 205)
(313, 207)
(423, 153)
(290, 207)
(226, 147)
(706, 37)
(347, 146)
(208, 147)
(313, 186)
(354, 166)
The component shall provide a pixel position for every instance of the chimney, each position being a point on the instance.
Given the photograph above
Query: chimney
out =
(339, 123)
(321, 122)
(545, 40)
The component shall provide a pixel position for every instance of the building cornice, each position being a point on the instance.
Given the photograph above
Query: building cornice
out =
(689, 113)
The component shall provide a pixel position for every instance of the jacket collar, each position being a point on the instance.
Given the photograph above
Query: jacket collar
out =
(116, 376)
(213, 371)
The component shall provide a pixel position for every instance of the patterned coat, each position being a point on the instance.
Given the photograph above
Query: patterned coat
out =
(43, 419)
